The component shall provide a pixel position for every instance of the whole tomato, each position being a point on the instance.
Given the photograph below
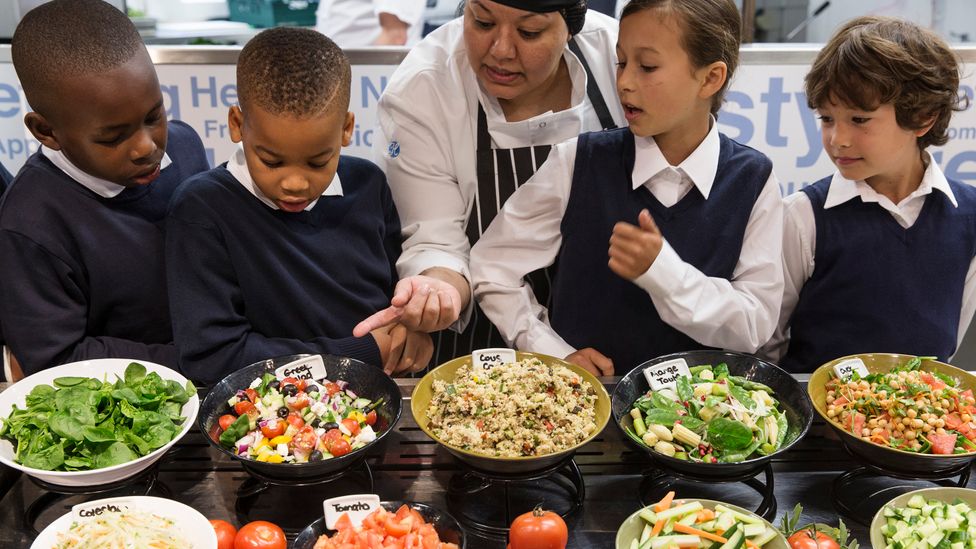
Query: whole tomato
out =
(811, 538)
(260, 534)
(225, 533)
(538, 529)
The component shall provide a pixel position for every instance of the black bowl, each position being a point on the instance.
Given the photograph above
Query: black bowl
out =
(365, 380)
(789, 393)
(446, 526)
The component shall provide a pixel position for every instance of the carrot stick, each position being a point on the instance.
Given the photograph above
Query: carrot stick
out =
(678, 527)
(751, 545)
(665, 502)
(658, 526)
(704, 515)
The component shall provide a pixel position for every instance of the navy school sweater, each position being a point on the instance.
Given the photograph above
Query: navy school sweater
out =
(5, 179)
(249, 283)
(878, 287)
(83, 275)
(594, 307)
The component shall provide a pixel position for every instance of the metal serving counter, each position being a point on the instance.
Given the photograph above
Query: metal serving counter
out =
(410, 466)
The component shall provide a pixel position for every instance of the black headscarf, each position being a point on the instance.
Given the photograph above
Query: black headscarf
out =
(573, 11)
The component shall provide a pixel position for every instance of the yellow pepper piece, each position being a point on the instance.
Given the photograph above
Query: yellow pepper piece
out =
(263, 457)
(261, 443)
(280, 439)
(275, 458)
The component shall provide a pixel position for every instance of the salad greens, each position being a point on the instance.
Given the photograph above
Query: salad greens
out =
(710, 416)
(85, 423)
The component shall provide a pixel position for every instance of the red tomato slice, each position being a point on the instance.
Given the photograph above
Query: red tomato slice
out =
(226, 421)
(351, 425)
(295, 420)
(273, 428)
(297, 403)
(252, 395)
(398, 528)
(932, 381)
(942, 444)
(952, 421)
(243, 407)
(343, 523)
(371, 417)
(840, 401)
(340, 447)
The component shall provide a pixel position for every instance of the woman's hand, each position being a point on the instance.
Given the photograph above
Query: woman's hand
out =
(403, 350)
(425, 303)
(592, 361)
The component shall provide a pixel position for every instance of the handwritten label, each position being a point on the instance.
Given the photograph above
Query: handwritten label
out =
(309, 368)
(486, 359)
(95, 509)
(845, 369)
(357, 506)
(665, 375)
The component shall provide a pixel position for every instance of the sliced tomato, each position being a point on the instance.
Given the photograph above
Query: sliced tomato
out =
(398, 528)
(932, 381)
(855, 423)
(371, 417)
(243, 407)
(252, 395)
(840, 401)
(340, 447)
(226, 421)
(343, 523)
(351, 425)
(295, 419)
(304, 440)
(331, 388)
(952, 421)
(273, 428)
(942, 444)
(297, 403)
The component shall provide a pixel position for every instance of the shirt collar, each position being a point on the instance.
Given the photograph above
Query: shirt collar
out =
(237, 166)
(101, 187)
(700, 166)
(842, 190)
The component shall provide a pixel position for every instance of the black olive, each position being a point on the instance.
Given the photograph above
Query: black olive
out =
(274, 384)
(315, 422)
(282, 412)
(311, 388)
(330, 426)
(289, 390)
(316, 456)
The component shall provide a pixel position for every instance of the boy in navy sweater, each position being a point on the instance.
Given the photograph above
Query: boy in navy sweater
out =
(81, 242)
(879, 256)
(701, 268)
(289, 245)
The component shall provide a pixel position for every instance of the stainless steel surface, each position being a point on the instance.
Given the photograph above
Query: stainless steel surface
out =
(750, 54)
(412, 467)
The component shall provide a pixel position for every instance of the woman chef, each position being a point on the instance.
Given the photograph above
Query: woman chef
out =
(468, 116)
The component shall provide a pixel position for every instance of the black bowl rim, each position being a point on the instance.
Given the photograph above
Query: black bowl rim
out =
(468, 456)
(456, 525)
(351, 458)
(674, 463)
(849, 437)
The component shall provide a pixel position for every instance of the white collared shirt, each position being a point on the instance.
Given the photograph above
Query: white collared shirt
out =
(101, 187)
(237, 166)
(739, 314)
(426, 139)
(800, 242)
(356, 23)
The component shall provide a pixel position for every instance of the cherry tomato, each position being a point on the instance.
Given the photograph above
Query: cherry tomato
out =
(298, 383)
(225, 533)
(340, 447)
(226, 421)
(273, 428)
(808, 538)
(371, 417)
(243, 407)
(295, 419)
(260, 534)
(251, 394)
(297, 403)
(330, 437)
(304, 440)
(331, 388)
(538, 529)
(351, 425)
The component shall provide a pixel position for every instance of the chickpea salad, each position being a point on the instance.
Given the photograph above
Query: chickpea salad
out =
(295, 421)
(906, 409)
(710, 417)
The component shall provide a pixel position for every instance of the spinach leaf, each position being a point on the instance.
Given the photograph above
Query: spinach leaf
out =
(115, 454)
(238, 429)
(662, 417)
(693, 423)
(69, 381)
(134, 374)
(728, 434)
(48, 458)
(67, 427)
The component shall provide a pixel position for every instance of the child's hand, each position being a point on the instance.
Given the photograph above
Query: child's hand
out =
(422, 303)
(592, 361)
(403, 350)
(633, 249)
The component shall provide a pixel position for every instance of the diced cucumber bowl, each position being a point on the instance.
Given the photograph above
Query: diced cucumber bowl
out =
(931, 518)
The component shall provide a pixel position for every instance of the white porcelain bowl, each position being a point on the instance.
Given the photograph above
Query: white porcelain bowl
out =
(190, 524)
(108, 369)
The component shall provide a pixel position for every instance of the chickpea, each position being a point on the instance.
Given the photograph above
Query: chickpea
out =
(940, 423)
(830, 393)
(830, 399)
(900, 426)
(882, 393)
(910, 435)
(931, 420)
(925, 416)
(831, 413)
(882, 423)
(906, 420)
(912, 413)
(917, 423)
(945, 404)
(916, 446)
(872, 423)
(865, 432)
(940, 431)
(967, 418)
(876, 431)
(926, 428)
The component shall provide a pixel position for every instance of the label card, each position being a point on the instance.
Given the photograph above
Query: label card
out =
(665, 375)
(845, 369)
(486, 359)
(357, 506)
(308, 368)
(94, 509)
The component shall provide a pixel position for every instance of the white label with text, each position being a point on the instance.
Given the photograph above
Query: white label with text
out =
(845, 369)
(357, 506)
(665, 375)
(486, 359)
(308, 368)
(95, 509)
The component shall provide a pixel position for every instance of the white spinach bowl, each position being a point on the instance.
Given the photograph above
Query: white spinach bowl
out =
(104, 369)
(187, 521)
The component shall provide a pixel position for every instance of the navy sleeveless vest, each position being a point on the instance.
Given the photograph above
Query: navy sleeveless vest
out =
(877, 287)
(592, 306)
